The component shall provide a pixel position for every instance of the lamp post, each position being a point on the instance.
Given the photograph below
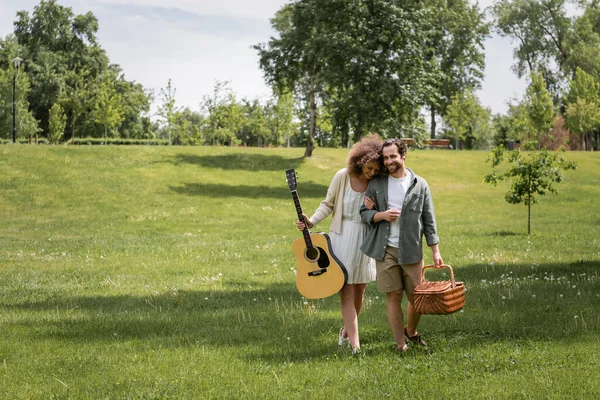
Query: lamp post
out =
(17, 62)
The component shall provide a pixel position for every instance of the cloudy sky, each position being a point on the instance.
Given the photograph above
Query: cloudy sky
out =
(198, 42)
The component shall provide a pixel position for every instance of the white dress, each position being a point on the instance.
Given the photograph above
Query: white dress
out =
(346, 246)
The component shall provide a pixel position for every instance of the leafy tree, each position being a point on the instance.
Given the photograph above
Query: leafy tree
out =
(530, 176)
(224, 116)
(188, 128)
(468, 121)
(281, 117)
(540, 108)
(366, 57)
(63, 56)
(25, 122)
(582, 117)
(457, 48)
(255, 125)
(583, 106)
(541, 29)
(167, 111)
(107, 105)
(57, 123)
(584, 41)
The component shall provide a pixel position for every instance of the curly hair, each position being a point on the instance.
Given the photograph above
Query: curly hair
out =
(366, 150)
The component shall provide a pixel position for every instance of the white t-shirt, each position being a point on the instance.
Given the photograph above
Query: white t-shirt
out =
(397, 188)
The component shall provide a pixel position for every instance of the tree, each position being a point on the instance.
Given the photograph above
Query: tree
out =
(224, 117)
(457, 48)
(63, 57)
(584, 41)
(530, 176)
(57, 123)
(541, 29)
(25, 122)
(468, 121)
(281, 117)
(583, 106)
(540, 108)
(167, 111)
(108, 105)
(367, 58)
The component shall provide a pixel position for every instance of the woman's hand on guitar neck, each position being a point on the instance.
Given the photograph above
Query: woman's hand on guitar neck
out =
(301, 225)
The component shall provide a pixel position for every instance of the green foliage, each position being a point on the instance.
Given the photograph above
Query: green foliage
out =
(530, 176)
(167, 111)
(456, 45)
(25, 122)
(57, 123)
(468, 121)
(224, 116)
(541, 29)
(583, 105)
(539, 106)
(356, 56)
(107, 104)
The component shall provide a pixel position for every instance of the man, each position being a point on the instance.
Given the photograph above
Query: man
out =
(395, 237)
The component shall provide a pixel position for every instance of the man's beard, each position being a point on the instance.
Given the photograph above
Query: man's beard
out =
(393, 167)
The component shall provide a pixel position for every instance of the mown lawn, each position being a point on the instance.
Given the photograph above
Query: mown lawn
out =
(167, 272)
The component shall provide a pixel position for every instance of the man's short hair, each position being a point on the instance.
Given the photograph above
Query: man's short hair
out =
(399, 144)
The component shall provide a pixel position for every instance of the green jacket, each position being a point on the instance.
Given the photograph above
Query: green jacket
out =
(417, 219)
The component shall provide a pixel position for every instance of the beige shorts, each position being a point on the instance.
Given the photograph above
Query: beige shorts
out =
(392, 276)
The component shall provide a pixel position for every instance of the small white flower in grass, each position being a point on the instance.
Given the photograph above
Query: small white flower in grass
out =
(503, 298)
(254, 299)
(376, 297)
(578, 293)
(483, 281)
(574, 286)
(220, 274)
(560, 296)
(462, 310)
(533, 295)
(288, 338)
(306, 302)
(265, 272)
(269, 299)
(206, 298)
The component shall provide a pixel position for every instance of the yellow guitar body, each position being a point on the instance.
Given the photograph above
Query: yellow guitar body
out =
(320, 273)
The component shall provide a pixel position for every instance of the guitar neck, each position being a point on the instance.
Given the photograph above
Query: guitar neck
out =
(305, 231)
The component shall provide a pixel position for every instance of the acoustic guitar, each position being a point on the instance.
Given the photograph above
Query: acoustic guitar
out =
(320, 274)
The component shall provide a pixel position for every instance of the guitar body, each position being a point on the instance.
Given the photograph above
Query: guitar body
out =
(320, 273)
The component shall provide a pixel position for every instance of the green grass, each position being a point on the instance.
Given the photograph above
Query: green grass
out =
(147, 272)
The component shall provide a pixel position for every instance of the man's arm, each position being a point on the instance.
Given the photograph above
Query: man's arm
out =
(437, 257)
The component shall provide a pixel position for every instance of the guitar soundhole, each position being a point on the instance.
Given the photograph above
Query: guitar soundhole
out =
(312, 253)
(319, 255)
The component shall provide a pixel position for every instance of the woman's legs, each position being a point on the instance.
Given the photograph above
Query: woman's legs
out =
(351, 297)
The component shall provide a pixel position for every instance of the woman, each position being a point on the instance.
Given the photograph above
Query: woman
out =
(345, 195)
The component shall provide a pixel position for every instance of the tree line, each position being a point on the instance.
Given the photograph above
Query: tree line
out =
(338, 70)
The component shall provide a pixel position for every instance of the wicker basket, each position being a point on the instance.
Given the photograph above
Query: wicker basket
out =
(443, 297)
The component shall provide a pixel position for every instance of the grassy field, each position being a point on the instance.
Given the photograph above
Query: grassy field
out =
(151, 273)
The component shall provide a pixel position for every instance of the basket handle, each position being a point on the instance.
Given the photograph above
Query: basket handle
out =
(452, 281)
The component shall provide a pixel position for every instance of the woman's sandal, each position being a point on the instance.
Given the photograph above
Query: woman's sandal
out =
(342, 340)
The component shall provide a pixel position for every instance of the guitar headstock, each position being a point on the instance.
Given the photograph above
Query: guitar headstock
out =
(290, 176)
